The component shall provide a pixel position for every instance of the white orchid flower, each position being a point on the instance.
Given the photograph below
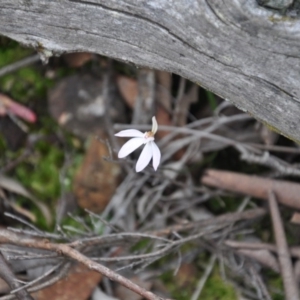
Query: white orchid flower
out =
(138, 139)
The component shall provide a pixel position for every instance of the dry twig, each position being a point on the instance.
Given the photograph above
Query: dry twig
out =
(61, 274)
(260, 285)
(294, 251)
(8, 276)
(222, 219)
(266, 159)
(204, 278)
(19, 64)
(8, 237)
(290, 285)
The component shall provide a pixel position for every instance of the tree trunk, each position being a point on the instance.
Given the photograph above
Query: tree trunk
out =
(239, 50)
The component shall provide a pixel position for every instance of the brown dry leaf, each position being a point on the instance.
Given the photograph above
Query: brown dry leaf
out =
(295, 218)
(4, 288)
(96, 179)
(125, 294)
(186, 275)
(77, 59)
(79, 284)
(24, 212)
(287, 192)
(128, 88)
(7, 206)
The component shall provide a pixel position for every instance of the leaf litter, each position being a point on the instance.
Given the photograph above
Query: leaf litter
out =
(187, 219)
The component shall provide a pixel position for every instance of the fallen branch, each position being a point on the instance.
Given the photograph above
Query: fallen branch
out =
(180, 42)
(255, 186)
(70, 249)
(9, 237)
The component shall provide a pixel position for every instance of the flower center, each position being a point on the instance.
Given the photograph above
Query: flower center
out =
(149, 136)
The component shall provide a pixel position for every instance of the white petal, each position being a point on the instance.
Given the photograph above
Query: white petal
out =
(156, 155)
(130, 146)
(154, 125)
(144, 158)
(130, 133)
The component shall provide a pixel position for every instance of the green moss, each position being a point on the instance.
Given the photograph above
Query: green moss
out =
(11, 51)
(176, 292)
(218, 204)
(41, 173)
(140, 245)
(216, 288)
(25, 84)
(275, 286)
(211, 100)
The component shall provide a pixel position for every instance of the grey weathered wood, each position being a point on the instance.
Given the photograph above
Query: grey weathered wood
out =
(237, 49)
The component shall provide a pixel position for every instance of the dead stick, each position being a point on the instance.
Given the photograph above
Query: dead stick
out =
(19, 64)
(8, 276)
(263, 257)
(225, 218)
(289, 282)
(9, 237)
(287, 192)
(294, 251)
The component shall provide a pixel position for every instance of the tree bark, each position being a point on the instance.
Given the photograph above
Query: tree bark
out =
(239, 50)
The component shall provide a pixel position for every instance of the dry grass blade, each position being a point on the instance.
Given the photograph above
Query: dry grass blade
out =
(19, 64)
(14, 186)
(204, 278)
